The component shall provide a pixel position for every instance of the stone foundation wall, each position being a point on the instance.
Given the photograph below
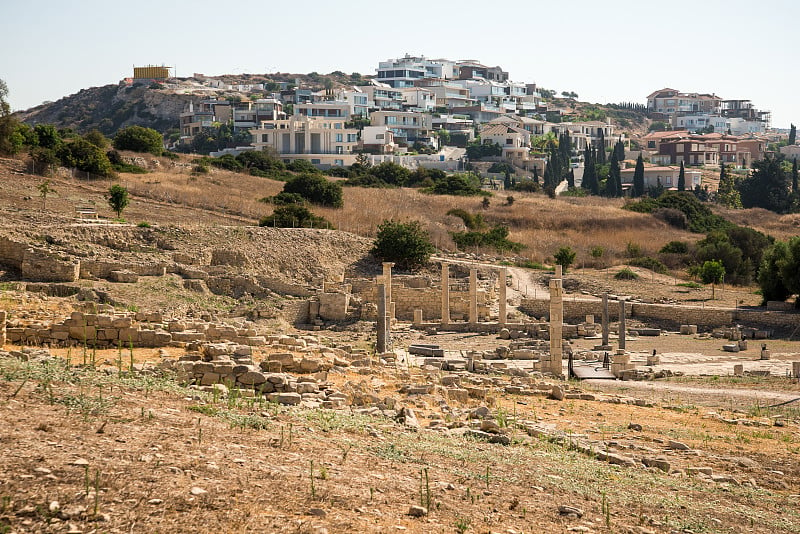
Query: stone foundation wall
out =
(41, 266)
(427, 299)
(102, 269)
(11, 253)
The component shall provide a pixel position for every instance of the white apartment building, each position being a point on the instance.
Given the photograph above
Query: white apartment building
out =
(382, 96)
(405, 71)
(698, 121)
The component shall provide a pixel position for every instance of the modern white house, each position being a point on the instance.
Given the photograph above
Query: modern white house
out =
(664, 176)
(405, 71)
(322, 141)
(408, 126)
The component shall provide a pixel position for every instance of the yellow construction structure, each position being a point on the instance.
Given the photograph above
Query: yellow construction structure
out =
(151, 72)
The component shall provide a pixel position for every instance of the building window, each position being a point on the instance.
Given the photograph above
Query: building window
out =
(338, 138)
(337, 126)
(352, 138)
(339, 149)
(380, 136)
(265, 138)
(338, 162)
(315, 162)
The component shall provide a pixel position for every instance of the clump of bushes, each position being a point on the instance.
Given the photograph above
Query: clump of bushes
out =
(496, 237)
(407, 244)
(647, 262)
(626, 274)
(293, 216)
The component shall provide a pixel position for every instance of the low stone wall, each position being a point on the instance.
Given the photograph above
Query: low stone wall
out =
(107, 331)
(577, 310)
(103, 269)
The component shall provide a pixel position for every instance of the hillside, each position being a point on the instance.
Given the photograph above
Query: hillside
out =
(114, 106)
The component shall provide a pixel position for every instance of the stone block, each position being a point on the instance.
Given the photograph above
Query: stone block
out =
(83, 333)
(252, 378)
(209, 379)
(124, 276)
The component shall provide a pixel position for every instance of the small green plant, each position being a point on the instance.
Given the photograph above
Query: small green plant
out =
(144, 224)
(626, 274)
(633, 250)
(425, 489)
(311, 479)
(462, 524)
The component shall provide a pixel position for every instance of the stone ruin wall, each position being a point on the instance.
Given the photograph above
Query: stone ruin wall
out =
(577, 310)
(428, 299)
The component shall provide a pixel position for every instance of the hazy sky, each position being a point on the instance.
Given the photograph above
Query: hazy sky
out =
(606, 51)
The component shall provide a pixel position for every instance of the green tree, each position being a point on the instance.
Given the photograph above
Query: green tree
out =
(727, 194)
(790, 269)
(96, 138)
(118, 199)
(44, 190)
(47, 136)
(8, 124)
(770, 279)
(638, 177)
(84, 156)
(139, 139)
(44, 160)
(712, 272)
(767, 186)
(408, 245)
(682, 178)
(792, 134)
(794, 175)
(589, 180)
(316, 189)
(565, 257)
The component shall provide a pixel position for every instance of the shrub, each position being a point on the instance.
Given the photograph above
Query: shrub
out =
(496, 237)
(408, 245)
(565, 257)
(316, 189)
(633, 250)
(671, 216)
(282, 199)
(139, 139)
(457, 184)
(293, 216)
(647, 262)
(143, 224)
(118, 199)
(302, 165)
(84, 156)
(626, 274)
(257, 161)
(526, 186)
(471, 221)
(675, 247)
(227, 162)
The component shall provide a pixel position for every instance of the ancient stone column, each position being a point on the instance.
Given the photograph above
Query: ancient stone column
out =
(417, 317)
(387, 280)
(503, 314)
(382, 326)
(445, 293)
(556, 323)
(622, 324)
(605, 319)
(473, 296)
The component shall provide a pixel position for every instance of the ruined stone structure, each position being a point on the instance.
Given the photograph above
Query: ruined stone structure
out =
(556, 322)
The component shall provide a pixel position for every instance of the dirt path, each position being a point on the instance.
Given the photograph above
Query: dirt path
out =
(690, 394)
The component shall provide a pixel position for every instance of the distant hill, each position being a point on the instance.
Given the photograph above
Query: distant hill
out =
(111, 107)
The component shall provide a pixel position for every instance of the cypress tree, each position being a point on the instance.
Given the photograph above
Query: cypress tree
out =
(601, 149)
(792, 134)
(535, 174)
(794, 175)
(614, 182)
(638, 177)
(589, 181)
(571, 179)
(619, 147)
(682, 179)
